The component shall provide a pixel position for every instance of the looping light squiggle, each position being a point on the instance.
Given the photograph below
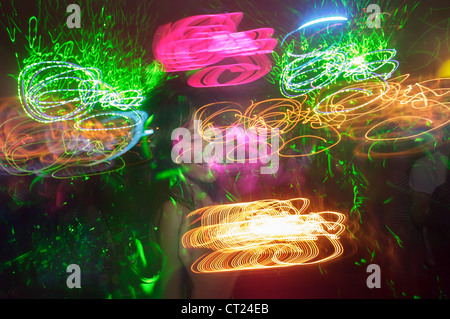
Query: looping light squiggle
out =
(345, 78)
(263, 234)
(282, 116)
(201, 41)
(59, 148)
(53, 91)
(398, 102)
(79, 122)
(388, 111)
(319, 69)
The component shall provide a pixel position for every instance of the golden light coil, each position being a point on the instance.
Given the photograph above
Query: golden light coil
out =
(263, 234)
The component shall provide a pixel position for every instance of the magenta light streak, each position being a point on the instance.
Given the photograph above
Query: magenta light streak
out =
(200, 42)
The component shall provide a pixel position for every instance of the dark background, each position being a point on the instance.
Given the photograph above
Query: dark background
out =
(104, 213)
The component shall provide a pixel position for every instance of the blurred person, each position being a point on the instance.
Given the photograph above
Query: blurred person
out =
(427, 174)
(178, 190)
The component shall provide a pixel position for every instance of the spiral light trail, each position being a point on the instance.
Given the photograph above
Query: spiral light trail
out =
(388, 111)
(59, 148)
(54, 91)
(263, 234)
(200, 42)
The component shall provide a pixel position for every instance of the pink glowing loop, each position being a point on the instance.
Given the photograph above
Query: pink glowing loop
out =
(240, 73)
(184, 54)
(184, 44)
(251, 42)
(199, 42)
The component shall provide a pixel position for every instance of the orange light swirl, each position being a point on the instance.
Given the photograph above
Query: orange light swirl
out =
(263, 234)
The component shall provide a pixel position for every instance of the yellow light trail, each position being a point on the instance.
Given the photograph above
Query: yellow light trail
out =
(375, 111)
(263, 234)
(58, 148)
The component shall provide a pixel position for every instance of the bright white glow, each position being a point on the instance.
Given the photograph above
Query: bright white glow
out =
(263, 234)
(322, 20)
(148, 132)
(337, 18)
